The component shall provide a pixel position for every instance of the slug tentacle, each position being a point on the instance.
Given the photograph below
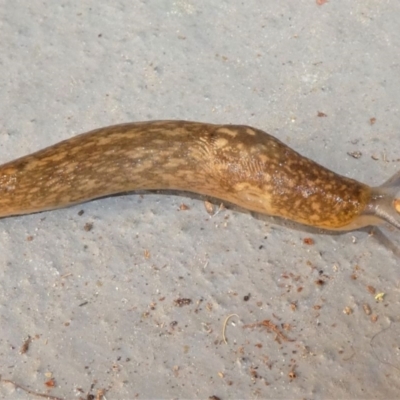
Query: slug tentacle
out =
(392, 185)
(384, 205)
(234, 163)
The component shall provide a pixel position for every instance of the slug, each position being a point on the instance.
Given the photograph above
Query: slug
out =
(234, 163)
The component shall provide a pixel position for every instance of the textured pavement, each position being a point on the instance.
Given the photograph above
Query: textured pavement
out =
(130, 298)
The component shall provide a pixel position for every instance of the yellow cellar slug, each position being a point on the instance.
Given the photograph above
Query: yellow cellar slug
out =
(239, 164)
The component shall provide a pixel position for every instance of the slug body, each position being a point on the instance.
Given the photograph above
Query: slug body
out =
(239, 164)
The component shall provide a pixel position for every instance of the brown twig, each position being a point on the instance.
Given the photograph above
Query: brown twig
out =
(271, 327)
(29, 391)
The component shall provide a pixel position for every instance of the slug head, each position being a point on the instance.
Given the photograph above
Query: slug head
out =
(383, 206)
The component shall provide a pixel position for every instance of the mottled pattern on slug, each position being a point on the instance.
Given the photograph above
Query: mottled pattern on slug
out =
(239, 164)
(263, 174)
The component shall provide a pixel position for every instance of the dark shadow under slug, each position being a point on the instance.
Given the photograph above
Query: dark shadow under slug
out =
(239, 164)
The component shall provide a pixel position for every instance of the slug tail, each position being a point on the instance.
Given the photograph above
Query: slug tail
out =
(385, 202)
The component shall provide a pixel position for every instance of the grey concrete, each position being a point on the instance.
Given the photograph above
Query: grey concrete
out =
(98, 310)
